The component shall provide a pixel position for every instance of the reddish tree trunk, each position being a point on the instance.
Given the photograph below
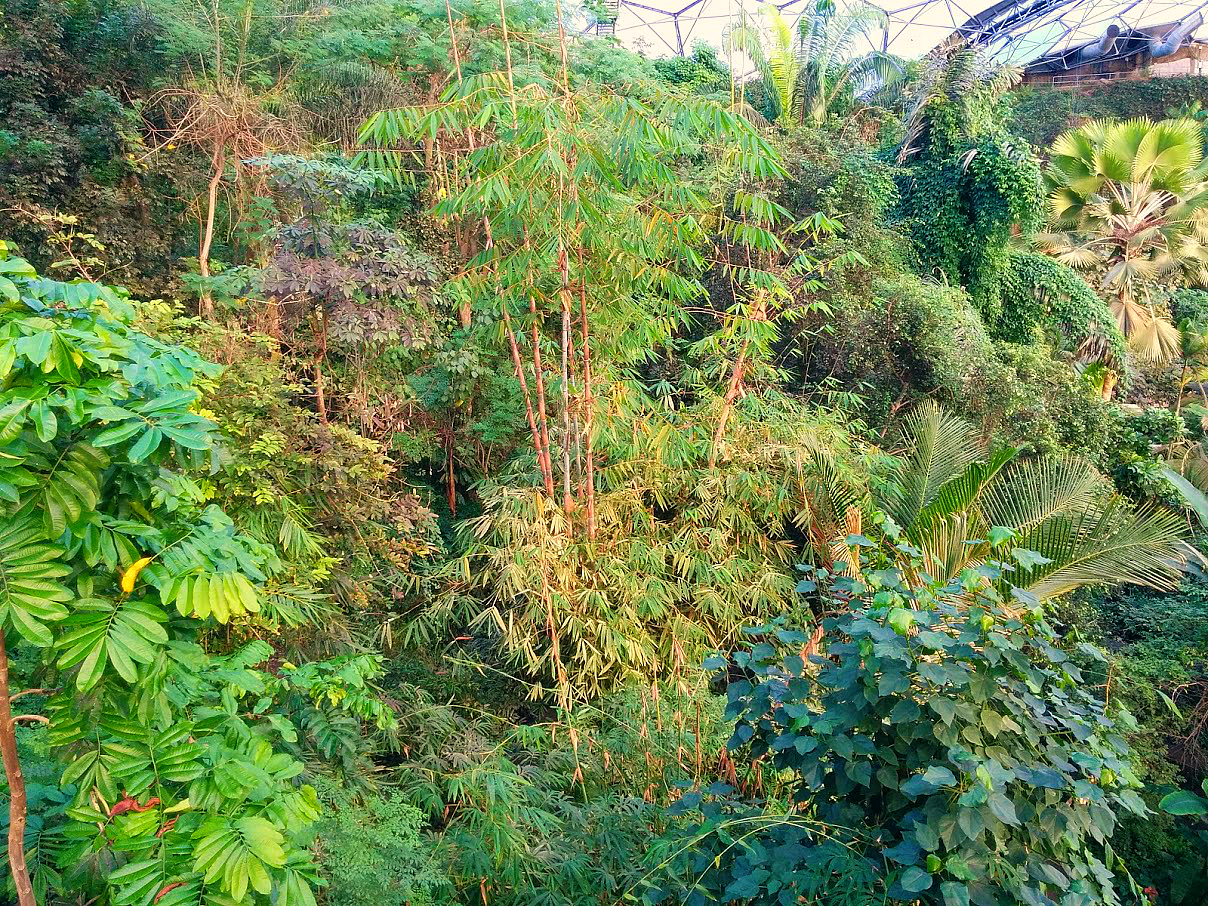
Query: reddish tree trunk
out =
(17, 807)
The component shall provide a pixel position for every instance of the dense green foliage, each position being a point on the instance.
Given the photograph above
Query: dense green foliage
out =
(1039, 114)
(938, 741)
(474, 381)
(966, 184)
(160, 764)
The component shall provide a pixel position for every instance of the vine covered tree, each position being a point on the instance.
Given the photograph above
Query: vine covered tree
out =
(966, 186)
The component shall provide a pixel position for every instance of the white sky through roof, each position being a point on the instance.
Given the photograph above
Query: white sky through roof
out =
(1017, 33)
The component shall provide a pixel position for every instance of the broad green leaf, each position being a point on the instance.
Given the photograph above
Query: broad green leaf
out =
(1183, 802)
(145, 445)
(915, 879)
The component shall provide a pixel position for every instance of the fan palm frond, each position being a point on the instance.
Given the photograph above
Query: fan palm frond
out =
(1128, 202)
(1157, 341)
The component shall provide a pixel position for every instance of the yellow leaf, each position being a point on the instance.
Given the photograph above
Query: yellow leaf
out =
(131, 574)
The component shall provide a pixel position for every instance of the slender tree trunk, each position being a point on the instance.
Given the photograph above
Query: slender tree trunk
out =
(17, 807)
(568, 501)
(465, 241)
(450, 476)
(547, 479)
(320, 395)
(588, 404)
(539, 382)
(728, 402)
(217, 165)
(1178, 405)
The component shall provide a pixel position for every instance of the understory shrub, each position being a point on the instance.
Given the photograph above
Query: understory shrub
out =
(944, 738)
(1039, 114)
(373, 852)
(1159, 671)
(1041, 293)
(912, 338)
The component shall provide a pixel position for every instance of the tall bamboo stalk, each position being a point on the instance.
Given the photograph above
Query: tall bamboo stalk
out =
(588, 403)
(539, 381)
(564, 296)
(518, 365)
(728, 402)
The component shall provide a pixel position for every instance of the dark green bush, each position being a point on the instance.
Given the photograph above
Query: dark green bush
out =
(1041, 114)
(944, 737)
(1159, 671)
(1036, 400)
(1042, 294)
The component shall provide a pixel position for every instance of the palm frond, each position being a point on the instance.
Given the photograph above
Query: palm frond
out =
(961, 493)
(1040, 491)
(1114, 546)
(940, 447)
(1156, 341)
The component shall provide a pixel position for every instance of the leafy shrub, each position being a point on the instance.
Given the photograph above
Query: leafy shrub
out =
(560, 813)
(372, 852)
(1189, 305)
(944, 737)
(682, 557)
(1039, 292)
(912, 338)
(1159, 670)
(1033, 399)
(1133, 465)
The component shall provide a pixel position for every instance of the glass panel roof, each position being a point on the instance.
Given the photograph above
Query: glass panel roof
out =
(1012, 31)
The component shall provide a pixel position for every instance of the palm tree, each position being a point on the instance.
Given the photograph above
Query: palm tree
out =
(1129, 204)
(951, 495)
(958, 84)
(1193, 353)
(811, 65)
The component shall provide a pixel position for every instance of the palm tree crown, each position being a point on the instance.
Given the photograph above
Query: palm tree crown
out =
(1129, 203)
(813, 64)
(951, 495)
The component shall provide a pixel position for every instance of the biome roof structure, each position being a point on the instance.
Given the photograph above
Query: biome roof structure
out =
(1010, 31)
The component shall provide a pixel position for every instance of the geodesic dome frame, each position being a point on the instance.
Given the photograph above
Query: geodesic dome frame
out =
(1009, 31)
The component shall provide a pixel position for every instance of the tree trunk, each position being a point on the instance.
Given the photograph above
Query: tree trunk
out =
(728, 403)
(587, 403)
(207, 235)
(450, 474)
(17, 808)
(320, 394)
(564, 297)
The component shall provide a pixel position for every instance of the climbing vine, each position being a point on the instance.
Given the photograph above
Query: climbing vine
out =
(1040, 292)
(966, 187)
